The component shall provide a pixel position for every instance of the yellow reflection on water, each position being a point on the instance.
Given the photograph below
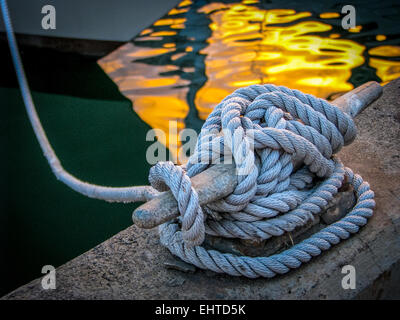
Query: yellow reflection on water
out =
(387, 70)
(177, 11)
(184, 3)
(329, 15)
(385, 51)
(247, 45)
(166, 22)
(380, 37)
(146, 31)
(163, 33)
(169, 45)
(250, 1)
(356, 29)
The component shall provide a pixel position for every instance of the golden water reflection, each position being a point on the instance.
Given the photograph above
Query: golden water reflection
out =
(291, 55)
(247, 45)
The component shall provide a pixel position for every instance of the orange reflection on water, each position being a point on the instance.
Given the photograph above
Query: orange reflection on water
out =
(356, 29)
(184, 3)
(167, 22)
(248, 45)
(247, 48)
(380, 37)
(156, 98)
(175, 11)
(329, 15)
(163, 33)
(387, 70)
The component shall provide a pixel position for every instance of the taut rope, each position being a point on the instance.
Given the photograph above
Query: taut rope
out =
(266, 129)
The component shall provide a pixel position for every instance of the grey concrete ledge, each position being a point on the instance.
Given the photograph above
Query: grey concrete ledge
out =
(130, 265)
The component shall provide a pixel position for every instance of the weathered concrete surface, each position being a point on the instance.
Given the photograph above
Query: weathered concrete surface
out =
(130, 264)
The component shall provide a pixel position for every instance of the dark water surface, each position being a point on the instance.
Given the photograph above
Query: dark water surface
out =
(97, 137)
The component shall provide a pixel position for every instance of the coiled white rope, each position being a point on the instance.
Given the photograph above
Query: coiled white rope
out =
(266, 128)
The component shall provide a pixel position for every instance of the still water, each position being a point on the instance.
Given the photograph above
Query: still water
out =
(181, 66)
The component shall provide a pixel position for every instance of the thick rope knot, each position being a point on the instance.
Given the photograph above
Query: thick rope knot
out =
(282, 142)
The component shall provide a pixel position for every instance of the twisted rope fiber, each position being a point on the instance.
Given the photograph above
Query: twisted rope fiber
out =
(267, 129)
